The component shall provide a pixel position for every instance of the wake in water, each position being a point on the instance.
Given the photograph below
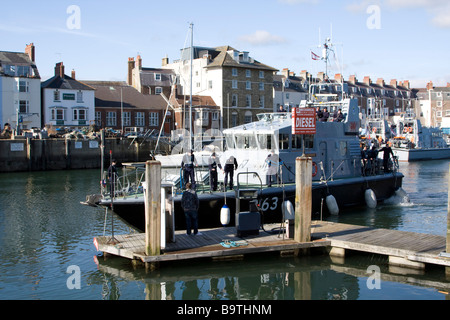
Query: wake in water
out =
(399, 198)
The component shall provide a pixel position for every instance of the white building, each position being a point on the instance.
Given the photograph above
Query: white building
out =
(67, 102)
(20, 89)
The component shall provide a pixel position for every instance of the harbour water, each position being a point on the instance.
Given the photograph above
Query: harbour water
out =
(47, 251)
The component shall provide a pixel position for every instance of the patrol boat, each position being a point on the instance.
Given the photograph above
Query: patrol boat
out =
(339, 181)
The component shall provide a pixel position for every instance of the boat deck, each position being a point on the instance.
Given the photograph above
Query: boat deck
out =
(206, 245)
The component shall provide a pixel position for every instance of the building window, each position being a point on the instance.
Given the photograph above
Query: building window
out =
(158, 90)
(56, 95)
(80, 96)
(261, 86)
(248, 117)
(210, 84)
(98, 118)
(261, 74)
(234, 72)
(261, 102)
(248, 101)
(79, 114)
(24, 106)
(234, 118)
(215, 116)
(57, 114)
(111, 119)
(248, 73)
(438, 114)
(158, 76)
(126, 118)
(234, 100)
(23, 86)
(248, 85)
(140, 119)
(234, 84)
(154, 119)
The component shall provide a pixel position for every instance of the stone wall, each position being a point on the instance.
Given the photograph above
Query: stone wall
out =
(61, 154)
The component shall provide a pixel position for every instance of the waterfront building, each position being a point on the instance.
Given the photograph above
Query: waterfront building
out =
(240, 86)
(379, 99)
(66, 102)
(121, 107)
(20, 89)
(433, 106)
(289, 89)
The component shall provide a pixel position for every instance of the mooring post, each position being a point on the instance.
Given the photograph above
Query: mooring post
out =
(303, 199)
(447, 249)
(152, 208)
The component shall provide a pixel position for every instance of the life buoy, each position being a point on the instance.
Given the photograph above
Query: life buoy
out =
(314, 171)
(408, 130)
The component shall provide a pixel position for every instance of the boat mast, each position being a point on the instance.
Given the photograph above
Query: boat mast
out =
(190, 95)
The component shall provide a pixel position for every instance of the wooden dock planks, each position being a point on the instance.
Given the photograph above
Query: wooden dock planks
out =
(418, 247)
(413, 246)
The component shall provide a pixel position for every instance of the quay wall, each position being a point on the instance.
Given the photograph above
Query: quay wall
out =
(62, 154)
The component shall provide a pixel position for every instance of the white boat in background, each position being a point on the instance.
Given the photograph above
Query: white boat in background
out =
(414, 142)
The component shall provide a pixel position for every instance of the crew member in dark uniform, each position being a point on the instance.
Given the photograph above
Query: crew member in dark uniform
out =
(213, 163)
(187, 163)
(230, 166)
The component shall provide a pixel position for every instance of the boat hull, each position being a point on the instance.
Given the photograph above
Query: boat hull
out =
(408, 155)
(348, 192)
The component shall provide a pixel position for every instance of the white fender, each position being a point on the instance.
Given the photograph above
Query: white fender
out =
(332, 205)
(288, 210)
(225, 215)
(371, 199)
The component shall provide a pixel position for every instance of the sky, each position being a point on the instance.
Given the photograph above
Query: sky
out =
(389, 39)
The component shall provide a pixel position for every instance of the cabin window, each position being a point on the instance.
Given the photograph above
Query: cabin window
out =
(246, 142)
(283, 143)
(229, 141)
(297, 141)
(265, 141)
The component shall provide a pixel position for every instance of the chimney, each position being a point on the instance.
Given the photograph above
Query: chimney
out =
(285, 72)
(406, 84)
(131, 65)
(380, 82)
(367, 80)
(339, 78)
(304, 74)
(352, 79)
(321, 76)
(430, 85)
(394, 83)
(30, 51)
(139, 61)
(73, 74)
(448, 84)
(59, 69)
(165, 61)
